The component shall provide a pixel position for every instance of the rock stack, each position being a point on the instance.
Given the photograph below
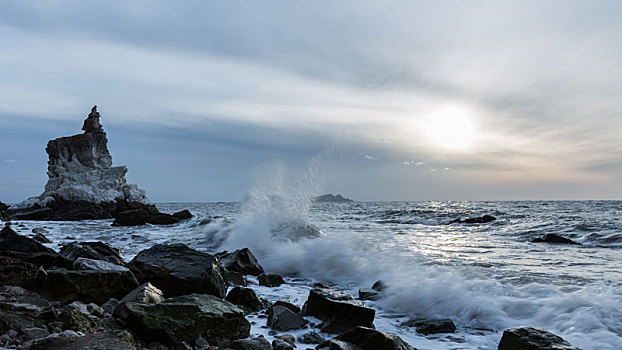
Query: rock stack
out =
(83, 184)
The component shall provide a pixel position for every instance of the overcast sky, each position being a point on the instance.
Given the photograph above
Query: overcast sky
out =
(384, 100)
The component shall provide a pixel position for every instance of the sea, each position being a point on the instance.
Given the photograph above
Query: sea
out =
(485, 277)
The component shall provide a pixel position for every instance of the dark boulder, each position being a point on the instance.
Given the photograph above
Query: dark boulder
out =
(34, 214)
(183, 319)
(426, 327)
(235, 278)
(75, 317)
(242, 261)
(369, 294)
(14, 272)
(245, 297)
(40, 237)
(282, 318)
(162, 219)
(133, 217)
(85, 285)
(257, 343)
(3, 207)
(478, 220)
(12, 241)
(379, 286)
(283, 303)
(43, 259)
(339, 310)
(311, 338)
(109, 340)
(92, 250)
(278, 344)
(20, 308)
(78, 210)
(270, 280)
(529, 338)
(182, 215)
(367, 339)
(553, 238)
(177, 269)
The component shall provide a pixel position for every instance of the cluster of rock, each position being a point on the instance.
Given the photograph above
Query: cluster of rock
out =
(83, 184)
(331, 198)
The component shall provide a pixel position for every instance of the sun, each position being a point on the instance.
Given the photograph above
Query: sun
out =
(450, 128)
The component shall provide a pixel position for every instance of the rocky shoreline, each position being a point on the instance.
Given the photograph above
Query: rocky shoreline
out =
(174, 297)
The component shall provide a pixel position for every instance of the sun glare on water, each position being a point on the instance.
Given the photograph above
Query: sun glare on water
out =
(450, 128)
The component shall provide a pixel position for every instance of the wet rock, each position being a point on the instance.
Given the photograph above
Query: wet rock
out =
(184, 318)
(270, 280)
(14, 272)
(110, 305)
(34, 214)
(530, 338)
(339, 310)
(478, 220)
(34, 333)
(40, 237)
(242, 261)
(369, 294)
(236, 278)
(109, 340)
(182, 215)
(282, 318)
(146, 293)
(162, 219)
(426, 327)
(45, 260)
(245, 297)
(368, 338)
(283, 303)
(133, 217)
(3, 207)
(97, 265)
(12, 241)
(95, 310)
(311, 338)
(178, 270)
(278, 344)
(257, 343)
(379, 286)
(336, 344)
(92, 250)
(20, 309)
(76, 317)
(85, 285)
(553, 238)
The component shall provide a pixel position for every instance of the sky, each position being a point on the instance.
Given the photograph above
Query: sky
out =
(383, 100)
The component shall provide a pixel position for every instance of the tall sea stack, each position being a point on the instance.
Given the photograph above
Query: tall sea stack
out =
(82, 182)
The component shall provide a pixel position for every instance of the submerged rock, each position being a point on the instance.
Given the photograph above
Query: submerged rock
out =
(477, 220)
(553, 238)
(177, 269)
(367, 339)
(242, 261)
(184, 318)
(426, 327)
(530, 338)
(339, 310)
(270, 280)
(369, 294)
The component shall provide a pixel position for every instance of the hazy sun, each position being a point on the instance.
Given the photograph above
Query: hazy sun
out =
(450, 128)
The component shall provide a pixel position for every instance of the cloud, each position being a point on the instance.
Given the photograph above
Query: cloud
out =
(370, 157)
(10, 161)
(413, 163)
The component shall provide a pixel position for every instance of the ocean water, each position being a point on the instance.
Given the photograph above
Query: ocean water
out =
(485, 277)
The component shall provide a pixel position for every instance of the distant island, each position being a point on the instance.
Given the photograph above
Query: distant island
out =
(329, 198)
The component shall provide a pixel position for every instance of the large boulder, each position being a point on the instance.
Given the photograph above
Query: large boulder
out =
(282, 318)
(85, 285)
(43, 259)
(177, 270)
(182, 215)
(246, 298)
(366, 339)
(104, 340)
(20, 308)
(530, 338)
(131, 218)
(242, 261)
(92, 250)
(427, 326)
(339, 310)
(256, 343)
(14, 272)
(183, 319)
(12, 241)
(270, 280)
(145, 293)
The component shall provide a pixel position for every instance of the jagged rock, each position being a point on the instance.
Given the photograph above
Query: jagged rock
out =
(426, 327)
(34, 333)
(270, 280)
(339, 310)
(236, 278)
(278, 344)
(45, 260)
(40, 237)
(108, 340)
(20, 309)
(14, 272)
(245, 297)
(97, 265)
(3, 207)
(92, 250)
(242, 261)
(282, 318)
(530, 338)
(85, 285)
(311, 338)
(76, 317)
(257, 343)
(146, 293)
(82, 182)
(553, 238)
(177, 270)
(182, 319)
(182, 215)
(110, 305)
(11, 241)
(369, 339)
(379, 286)
(369, 294)
(478, 220)
(283, 303)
